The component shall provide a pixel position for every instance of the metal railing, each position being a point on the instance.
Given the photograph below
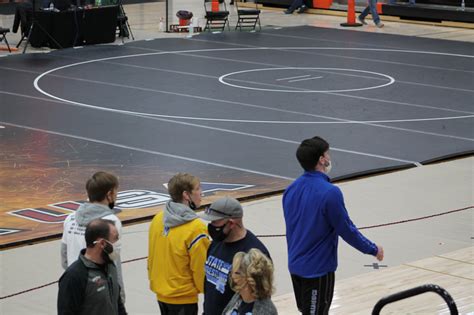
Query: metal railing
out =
(416, 291)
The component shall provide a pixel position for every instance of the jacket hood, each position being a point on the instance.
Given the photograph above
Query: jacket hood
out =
(90, 211)
(176, 214)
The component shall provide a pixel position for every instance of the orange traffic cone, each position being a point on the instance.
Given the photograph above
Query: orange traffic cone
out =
(351, 17)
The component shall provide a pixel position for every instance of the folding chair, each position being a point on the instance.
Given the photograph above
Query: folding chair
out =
(217, 16)
(3, 33)
(248, 17)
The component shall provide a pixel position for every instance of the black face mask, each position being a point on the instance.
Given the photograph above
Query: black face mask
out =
(106, 251)
(108, 248)
(191, 203)
(111, 203)
(217, 233)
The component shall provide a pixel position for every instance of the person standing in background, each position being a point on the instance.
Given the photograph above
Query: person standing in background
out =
(372, 9)
(296, 4)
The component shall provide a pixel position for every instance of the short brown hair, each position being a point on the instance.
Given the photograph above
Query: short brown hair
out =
(99, 185)
(257, 269)
(179, 183)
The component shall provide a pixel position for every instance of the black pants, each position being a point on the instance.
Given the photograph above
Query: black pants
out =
(23, 17)
(314, 295)
(178, 309)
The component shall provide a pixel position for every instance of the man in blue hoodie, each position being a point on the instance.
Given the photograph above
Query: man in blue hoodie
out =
(315, 216)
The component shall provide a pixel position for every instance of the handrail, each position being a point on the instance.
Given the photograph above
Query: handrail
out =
(416, 291)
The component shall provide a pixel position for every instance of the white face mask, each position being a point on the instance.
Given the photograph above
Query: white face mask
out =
(114, 254)
(328, 167)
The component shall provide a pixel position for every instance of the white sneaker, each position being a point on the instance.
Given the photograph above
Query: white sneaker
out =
(362, 20)
(379, 24)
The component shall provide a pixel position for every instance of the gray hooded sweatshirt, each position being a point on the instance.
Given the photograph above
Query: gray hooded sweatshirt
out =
(73, 240)
(177, 214)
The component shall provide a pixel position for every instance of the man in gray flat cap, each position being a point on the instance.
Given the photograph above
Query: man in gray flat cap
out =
(229, 236)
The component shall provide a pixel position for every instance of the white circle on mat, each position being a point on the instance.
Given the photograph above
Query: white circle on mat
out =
(388, 80)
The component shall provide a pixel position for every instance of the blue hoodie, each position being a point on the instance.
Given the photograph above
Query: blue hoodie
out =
(315, 216)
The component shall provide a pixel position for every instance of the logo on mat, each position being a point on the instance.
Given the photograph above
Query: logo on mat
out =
(128, 199)
(6, 231)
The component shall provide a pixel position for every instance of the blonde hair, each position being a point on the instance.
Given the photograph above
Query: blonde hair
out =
(257, 270)
(180, 183)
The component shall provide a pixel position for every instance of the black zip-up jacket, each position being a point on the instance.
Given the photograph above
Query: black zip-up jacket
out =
(88, 288)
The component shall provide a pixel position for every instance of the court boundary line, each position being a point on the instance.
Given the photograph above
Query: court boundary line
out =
(342, 121)
(171, 71)
(418, 164)
(339, 56)
(329, 93)
(275, 65)
(187, 53)
(217, 100)
(260, 106)
(210, 77)
(120, 57)
(289, 49)
(122, 146)
(357, 42)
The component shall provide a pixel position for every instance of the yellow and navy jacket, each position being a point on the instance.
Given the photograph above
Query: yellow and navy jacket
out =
(178, 243)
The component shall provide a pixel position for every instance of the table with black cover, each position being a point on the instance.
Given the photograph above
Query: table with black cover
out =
(75, 27)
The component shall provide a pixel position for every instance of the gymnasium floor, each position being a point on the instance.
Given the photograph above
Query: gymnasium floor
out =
(396, 210)
(384, 102)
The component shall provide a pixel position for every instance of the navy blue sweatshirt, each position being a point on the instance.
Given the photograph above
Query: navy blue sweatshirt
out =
(315, 216)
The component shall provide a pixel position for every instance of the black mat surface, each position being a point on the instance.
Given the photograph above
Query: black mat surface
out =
(382, 101)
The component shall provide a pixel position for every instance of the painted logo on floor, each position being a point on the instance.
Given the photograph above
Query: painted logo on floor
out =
(6, 231)
(128, 199)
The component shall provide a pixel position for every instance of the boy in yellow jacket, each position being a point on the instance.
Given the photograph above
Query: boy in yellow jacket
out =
(177, 248)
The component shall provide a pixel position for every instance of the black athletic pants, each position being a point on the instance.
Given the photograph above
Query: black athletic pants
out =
(178, 309)
(314, 295)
